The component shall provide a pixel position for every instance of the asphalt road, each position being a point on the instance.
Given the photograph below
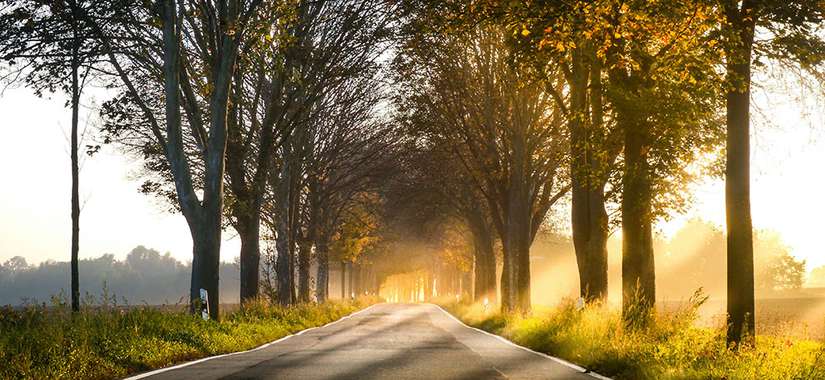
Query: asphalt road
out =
(386, 341)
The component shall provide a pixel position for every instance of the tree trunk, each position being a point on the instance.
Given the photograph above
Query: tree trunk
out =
(519, 230)
(283, 264)
(484, 270)
(588, 214)
(352, 276)
(638, 270)
(206, 240)
(249, 232)
(343, 280)
(304, 252)
(590, 233)
(507, 297)
(322, 278)
(75, 275)
(740, 282)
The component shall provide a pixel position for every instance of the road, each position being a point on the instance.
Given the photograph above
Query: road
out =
(385, 341)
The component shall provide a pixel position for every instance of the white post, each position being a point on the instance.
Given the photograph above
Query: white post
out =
(204, 304)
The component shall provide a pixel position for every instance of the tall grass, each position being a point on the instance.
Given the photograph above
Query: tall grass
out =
(107, 341)
(670, 346)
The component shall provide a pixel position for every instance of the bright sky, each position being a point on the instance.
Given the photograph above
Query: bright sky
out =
(35, 195)
(787, 162)
(788, 178)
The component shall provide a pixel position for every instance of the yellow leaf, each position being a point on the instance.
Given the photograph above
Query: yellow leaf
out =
(560, 46)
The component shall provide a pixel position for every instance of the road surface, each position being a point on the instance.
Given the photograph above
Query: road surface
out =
(386, 341)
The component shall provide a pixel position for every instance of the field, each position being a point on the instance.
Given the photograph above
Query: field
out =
(795, 315)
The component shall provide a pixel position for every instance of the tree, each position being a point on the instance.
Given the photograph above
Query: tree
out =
(288, 89)
(563, 37)
(796, 30)
(175, 64)
(503, 129)
(54, 42)
(783, 272)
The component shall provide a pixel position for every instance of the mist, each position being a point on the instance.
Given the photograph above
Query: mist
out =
(145, 276)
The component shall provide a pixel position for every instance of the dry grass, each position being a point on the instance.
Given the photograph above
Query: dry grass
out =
(670, 347)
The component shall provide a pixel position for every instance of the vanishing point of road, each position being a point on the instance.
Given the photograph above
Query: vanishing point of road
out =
(385, 341)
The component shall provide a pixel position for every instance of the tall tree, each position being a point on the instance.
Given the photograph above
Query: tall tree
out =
(741, 21)
(175, 63)
(54, 42)
(795, 35)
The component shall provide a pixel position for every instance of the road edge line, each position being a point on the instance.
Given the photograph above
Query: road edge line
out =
(509, 342)
(261, 347)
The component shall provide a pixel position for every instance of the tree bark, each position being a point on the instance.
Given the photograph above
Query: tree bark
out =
(638, 269)
(740, 280)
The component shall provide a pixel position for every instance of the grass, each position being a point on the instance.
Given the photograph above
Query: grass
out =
(670, 347)
(39, 342)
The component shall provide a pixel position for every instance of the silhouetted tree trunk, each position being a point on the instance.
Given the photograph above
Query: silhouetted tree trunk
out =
(484, 270)
(206, 239)
(343, 280)
(588, 215)
(322, 278)
(248, 229)
(304, 251)
(518, 229)
(638, 270)
(75, 276)
(352, 276)
(740, 302)
(283, 264)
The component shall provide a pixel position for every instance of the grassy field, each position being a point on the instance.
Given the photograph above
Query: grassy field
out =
(798, 317)
(39, 342)
(672, 347)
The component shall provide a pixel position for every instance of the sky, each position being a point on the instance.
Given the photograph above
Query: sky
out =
(35, 192)
(788, 179)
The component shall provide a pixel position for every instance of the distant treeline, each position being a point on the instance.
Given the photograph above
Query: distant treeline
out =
(145, 276)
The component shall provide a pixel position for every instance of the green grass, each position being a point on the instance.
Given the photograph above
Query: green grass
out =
(670, 347)
(109, 342)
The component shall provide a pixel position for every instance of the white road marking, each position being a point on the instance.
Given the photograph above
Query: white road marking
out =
(504, 340)
(157, 371)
